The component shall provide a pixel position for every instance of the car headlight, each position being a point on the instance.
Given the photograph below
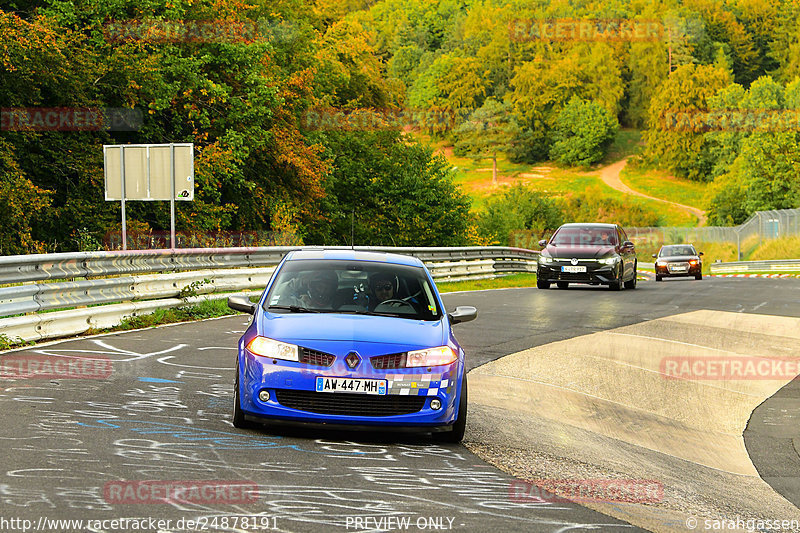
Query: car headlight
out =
(442, 355)
(614, 259)
(273, 349)
(661, 263)
(693, 262)
(545, 259)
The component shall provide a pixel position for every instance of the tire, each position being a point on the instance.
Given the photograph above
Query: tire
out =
(562, 284)
(632, 283)
(659, 278)
(459, 427)
(616, 285)
(542, 284)
(699, 276)
(238, 415)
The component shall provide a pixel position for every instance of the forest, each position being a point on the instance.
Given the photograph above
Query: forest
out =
(312, 121)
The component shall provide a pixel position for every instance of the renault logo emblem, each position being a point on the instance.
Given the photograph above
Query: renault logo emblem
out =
(352, 360)
(574, 261)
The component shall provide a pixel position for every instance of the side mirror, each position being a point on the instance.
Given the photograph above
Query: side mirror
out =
(543, 243)
(699, 253)
(463, 313)
(655, 255)
(627, 244)
(242, 303)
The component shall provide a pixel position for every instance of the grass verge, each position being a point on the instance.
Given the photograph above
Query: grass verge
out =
(661, 185)
(505, 282)
(199, 311)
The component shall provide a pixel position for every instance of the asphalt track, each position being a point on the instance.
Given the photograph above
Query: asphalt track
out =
(164, 414)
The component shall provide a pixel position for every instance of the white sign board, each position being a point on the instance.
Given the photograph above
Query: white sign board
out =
(148, 172)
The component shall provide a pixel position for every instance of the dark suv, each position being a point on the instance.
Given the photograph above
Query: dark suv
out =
(587, 253)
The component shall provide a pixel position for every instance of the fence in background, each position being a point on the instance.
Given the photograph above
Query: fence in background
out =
(776, 266)
(142, 281)
(762, 225)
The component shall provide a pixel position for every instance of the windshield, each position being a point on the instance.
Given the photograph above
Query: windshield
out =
(359, 287)
(677, 250)
(584, 236)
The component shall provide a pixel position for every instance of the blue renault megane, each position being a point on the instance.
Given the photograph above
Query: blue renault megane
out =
(352, 339)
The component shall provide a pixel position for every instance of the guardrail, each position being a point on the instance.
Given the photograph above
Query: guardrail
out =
(777, 265)
(139, 282)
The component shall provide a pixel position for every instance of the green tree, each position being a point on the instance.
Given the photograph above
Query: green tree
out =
(518, 208)
(760, 162)
(397, 193)
(675, 130)
(582, 134)
(487, 131)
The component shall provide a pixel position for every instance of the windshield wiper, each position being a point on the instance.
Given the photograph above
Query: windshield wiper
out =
(293, 308)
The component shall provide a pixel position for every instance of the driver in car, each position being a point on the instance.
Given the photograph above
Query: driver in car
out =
(605, 239)
(321, 289)
(382, 285)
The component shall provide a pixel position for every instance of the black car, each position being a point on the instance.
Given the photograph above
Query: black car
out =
(598, 254)
(678, 260)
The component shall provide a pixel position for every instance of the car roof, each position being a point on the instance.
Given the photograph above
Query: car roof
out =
(674, 245)
(352, 255)
(588, 225)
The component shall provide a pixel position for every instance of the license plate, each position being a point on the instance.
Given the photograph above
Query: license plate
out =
(356, 386)
(573, 269)
(677, 269)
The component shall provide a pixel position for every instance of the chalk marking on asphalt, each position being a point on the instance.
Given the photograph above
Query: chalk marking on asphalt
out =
(163, 360)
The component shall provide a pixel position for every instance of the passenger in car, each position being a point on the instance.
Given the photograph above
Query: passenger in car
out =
(383, 286)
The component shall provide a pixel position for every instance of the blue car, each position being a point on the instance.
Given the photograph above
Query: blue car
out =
(352, 339)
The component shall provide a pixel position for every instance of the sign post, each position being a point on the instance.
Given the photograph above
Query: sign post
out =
(149, 172)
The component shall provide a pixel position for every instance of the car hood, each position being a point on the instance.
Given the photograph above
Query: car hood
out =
(678, 258)
(300, 327)
(579, 252)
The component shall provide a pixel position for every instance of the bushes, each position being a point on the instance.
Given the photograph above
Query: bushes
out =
(583, 132)
(523, 211)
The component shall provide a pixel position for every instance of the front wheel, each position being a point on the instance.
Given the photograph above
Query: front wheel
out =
(632, 283)
(699, 276)
(616, 285)
(460, 425)
(542, 284)
(659, 278)
(238, 415)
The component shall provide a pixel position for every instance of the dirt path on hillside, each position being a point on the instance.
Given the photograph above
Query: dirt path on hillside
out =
(610, 176)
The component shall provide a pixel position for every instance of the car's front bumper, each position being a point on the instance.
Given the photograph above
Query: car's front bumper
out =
(669, 271)
(595, 272)
(294, 400)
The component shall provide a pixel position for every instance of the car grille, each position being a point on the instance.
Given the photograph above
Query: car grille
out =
(389, 361)
(577, 276)
(316, 358)
(349, 404)
(679, 264)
